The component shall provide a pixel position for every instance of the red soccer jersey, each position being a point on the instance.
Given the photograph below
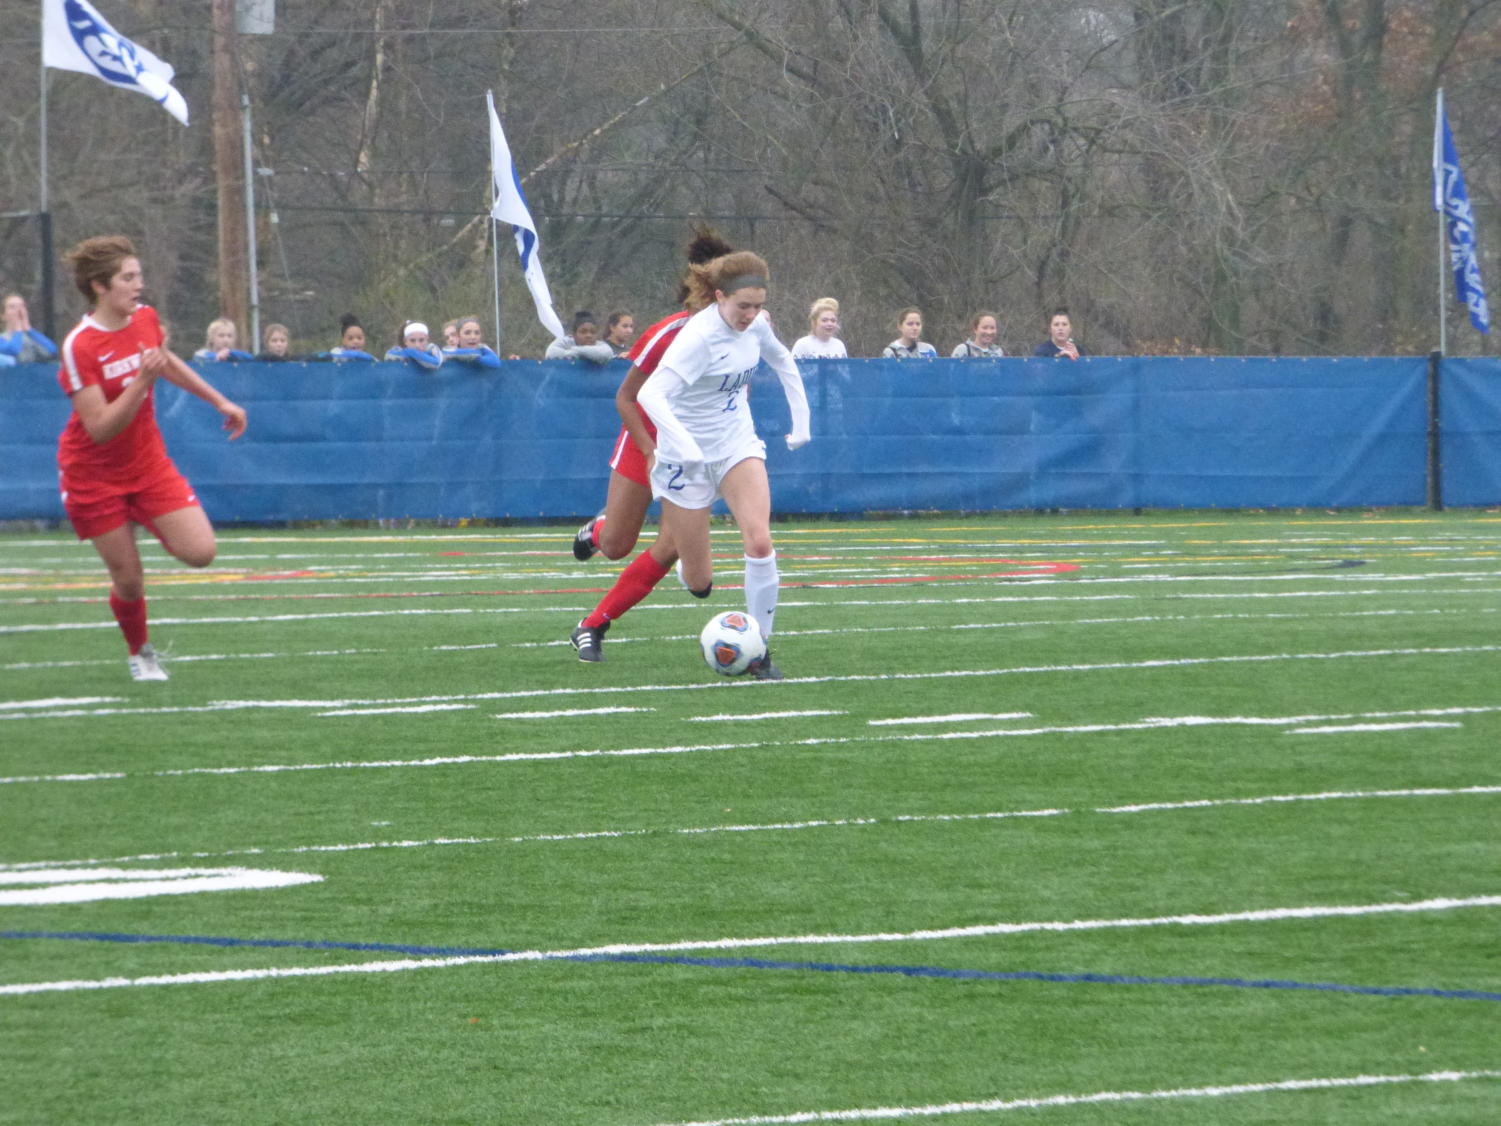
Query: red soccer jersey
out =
(647, 352)
(94, 356)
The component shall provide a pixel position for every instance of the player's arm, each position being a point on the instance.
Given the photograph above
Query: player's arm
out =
(775, 353)
(630, 413)
(174, 370)
(103, 419)
(654, 397)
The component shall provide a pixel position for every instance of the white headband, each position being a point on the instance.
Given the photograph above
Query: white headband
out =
(413, 326)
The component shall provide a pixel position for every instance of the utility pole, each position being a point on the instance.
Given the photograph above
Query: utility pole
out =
(229, 174)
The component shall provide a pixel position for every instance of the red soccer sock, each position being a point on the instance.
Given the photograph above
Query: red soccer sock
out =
(634, 584)
(597, 530)
(132, 619)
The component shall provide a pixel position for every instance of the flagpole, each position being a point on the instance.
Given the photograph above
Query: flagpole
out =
(250, 246)
(495, 267)
(44, 217)
(494, 231)
(1443, 238)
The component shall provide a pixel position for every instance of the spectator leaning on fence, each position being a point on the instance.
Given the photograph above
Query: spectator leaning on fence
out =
(981, 344)
(822, 341)
(20, 343)
(276, 344)
(351, 345)
(583, 344)
(908, 345)
(620, 331)
(471, 348)
(414, 346)
(219, 342)
(1060, 341)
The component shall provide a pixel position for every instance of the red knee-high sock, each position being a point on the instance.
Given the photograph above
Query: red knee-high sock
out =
(634, 584)
(132, 619)
(597, 530)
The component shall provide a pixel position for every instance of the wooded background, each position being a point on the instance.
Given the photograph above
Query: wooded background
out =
(1215, 176)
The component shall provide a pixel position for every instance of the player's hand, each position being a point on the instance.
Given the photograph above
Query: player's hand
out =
(234, 418)
(797, 441)
(153, 363)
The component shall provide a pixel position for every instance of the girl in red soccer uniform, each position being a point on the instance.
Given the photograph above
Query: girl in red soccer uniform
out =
(114, 467)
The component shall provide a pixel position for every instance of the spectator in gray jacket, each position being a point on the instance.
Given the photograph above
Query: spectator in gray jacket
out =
(583, 344)
(981, 344)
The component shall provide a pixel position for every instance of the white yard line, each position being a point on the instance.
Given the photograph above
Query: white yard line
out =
(1156, 723)
(1097, 1098)
(1036, 623)
(736, 717)
(413, 709)
(777, 826)
(569, 712)
(958, 717)
(1361, 728)
(725, 684)
(934, 934)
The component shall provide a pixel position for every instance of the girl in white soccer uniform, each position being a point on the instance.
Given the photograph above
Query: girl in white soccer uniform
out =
(706, 439)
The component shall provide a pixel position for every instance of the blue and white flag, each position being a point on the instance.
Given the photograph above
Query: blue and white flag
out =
(76, 37)
(1450, 197)
(510, 207)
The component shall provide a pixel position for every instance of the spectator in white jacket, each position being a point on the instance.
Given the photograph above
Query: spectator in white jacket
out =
(822, 341)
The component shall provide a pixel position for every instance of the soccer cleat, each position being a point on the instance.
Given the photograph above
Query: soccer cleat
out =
(146, 665)
(589, 641)
(763, 669)
(584, 547)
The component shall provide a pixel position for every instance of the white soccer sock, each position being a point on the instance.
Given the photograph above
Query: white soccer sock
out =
(762, 585)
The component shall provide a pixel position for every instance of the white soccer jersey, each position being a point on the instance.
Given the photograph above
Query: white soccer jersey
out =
(811, 348)
(703, 378)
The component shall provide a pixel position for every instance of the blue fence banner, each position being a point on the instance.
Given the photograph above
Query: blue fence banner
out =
(531, 441)
(1470, 426)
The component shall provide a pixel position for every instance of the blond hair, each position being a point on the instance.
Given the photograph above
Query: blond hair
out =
(215, 325)
(819, 307)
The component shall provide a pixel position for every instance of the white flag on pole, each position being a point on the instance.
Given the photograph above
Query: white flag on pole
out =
(76, 37)
(510, 207)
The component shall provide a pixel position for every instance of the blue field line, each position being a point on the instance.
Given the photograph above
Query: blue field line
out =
(767, 964)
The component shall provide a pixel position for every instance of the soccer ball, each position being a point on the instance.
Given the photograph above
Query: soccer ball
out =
(731, 642)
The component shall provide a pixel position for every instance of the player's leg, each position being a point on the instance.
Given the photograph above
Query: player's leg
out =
(615, 530)
(747, 491)
(634, 583)
(626, 503)
(688, 531)
(127, 598)
(187, 535)
(169, 509)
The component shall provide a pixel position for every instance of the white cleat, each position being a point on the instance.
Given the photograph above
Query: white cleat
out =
(146, 665)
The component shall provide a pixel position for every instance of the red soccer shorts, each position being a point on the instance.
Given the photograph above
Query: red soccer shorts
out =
(98, 509)
(628, 460)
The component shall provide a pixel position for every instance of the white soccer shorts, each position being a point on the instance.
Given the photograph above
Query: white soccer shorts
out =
(699, 488)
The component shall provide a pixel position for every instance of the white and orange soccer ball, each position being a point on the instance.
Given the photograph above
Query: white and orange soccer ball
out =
(731, 642)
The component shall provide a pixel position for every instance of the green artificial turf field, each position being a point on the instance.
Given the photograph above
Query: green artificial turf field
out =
(1175, 818)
